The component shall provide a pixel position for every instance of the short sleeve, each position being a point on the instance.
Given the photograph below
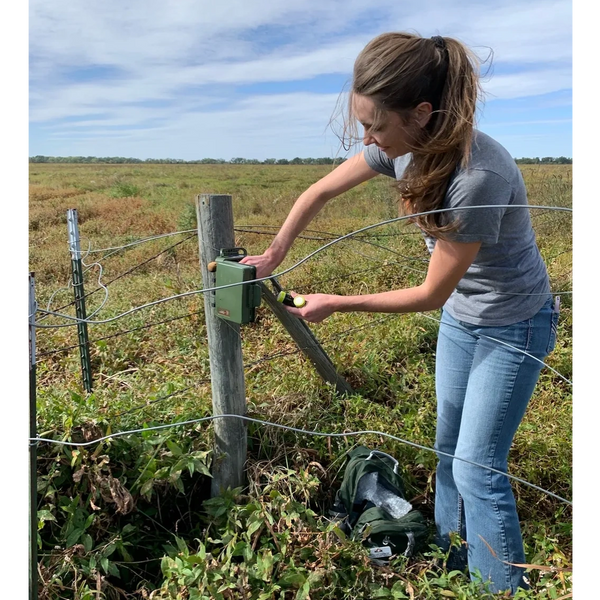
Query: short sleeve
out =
(475, 193)
(378, 161)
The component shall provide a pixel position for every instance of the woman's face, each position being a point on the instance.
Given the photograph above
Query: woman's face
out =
(393, 133)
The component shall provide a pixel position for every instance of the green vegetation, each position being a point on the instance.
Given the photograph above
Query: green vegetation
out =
(131, 517)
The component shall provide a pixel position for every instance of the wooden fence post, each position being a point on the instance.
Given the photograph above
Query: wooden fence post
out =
(215, 231)
(307, 342)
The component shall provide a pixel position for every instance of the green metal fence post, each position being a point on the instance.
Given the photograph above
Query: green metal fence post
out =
(33, 566)
(77, 272)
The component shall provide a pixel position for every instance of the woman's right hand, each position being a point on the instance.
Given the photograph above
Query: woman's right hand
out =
(349, 174)
(264, 263)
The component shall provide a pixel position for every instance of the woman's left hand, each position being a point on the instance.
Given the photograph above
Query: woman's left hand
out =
(317, 308)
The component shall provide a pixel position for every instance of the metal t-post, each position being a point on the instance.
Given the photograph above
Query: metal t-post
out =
(33, 576)
(77, 272)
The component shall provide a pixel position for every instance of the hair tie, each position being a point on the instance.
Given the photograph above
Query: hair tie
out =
(439, 42)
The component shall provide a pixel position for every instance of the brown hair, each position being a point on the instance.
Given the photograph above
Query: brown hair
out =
(398, 71)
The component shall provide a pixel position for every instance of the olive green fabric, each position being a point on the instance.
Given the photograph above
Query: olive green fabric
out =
(373, 525)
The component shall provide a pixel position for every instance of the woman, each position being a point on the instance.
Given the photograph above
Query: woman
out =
(415, 98)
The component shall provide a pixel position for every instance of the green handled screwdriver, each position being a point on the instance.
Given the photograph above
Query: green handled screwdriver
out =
(288, 300)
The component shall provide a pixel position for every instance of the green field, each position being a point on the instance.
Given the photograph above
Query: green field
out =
(130, 518)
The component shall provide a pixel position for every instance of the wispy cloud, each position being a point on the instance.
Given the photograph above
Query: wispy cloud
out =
(164, 68)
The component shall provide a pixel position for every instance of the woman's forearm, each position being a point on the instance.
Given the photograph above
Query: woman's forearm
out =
(308, 204)
(344, 177)
(414, 299)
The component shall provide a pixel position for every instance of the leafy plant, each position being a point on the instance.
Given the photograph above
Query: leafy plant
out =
(132, 515)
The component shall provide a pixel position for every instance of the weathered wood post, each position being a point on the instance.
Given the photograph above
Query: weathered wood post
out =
(33, 526)
(308, 343)
(215, 231)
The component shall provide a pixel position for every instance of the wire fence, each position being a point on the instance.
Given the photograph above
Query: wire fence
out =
(360, 236)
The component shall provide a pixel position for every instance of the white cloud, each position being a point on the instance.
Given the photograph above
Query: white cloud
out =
(191, 55)
(533, 82)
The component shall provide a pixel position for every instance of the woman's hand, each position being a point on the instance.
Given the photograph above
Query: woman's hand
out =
(317, 308)
(344, 177)
(264, 263)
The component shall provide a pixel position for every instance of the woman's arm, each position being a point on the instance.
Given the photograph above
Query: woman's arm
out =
(344, 177)
(449, 262)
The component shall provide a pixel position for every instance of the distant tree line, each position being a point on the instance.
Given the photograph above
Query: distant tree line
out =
(561, 160)
(178, 161)
(114, 160)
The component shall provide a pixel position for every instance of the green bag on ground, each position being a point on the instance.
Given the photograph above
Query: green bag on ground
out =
(372, 506)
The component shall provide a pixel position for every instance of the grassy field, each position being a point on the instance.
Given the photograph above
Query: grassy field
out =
(131, 518)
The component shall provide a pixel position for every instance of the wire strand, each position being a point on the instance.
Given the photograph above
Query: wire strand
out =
(296, 430)
(285, 271)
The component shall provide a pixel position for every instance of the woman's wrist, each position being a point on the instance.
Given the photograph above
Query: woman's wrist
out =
(274, 256)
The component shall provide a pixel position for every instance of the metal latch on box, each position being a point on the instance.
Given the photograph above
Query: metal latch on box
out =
(236, 303)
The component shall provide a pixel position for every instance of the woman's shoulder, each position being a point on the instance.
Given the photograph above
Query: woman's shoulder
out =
(491, 175)
(490, 166)
(487, 154)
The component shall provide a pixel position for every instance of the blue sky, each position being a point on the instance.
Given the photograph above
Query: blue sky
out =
(261, 78)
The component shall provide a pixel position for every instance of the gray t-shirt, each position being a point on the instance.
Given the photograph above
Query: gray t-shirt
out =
(508, 281)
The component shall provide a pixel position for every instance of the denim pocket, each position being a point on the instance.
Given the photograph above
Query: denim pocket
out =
(553, 325)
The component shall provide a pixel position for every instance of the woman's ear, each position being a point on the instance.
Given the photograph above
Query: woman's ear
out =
(422, 113)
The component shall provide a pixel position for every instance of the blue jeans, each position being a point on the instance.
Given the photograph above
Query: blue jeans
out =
(483, 388)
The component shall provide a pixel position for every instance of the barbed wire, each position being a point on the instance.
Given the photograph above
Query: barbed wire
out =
(120, 276)
(143, 240)
(354, 239)
(312, 283)
(343, 333)
(331, 235)
(124, 332)
(285, 271)
(37, 440)
(194, 313)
